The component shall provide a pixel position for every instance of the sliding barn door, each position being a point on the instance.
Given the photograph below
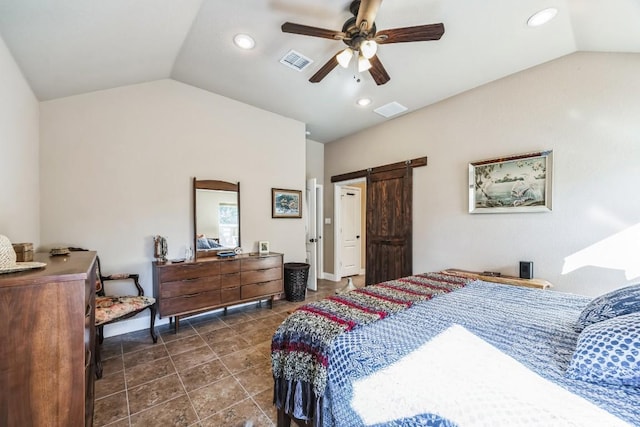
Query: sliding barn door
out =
(389, 225)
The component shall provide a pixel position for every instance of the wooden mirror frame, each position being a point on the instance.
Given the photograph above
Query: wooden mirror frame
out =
(212, 185)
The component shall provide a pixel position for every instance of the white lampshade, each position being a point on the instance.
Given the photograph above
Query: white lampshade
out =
(363, 64)
(344, 57)
(368, 48)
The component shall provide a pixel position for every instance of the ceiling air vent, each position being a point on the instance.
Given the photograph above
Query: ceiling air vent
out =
(296, 60)
(390, 109)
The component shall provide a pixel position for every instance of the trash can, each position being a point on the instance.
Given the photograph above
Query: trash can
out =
(295, 280)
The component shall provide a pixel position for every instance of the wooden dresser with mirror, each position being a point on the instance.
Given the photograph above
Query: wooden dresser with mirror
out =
(211, 281)
(191, 287)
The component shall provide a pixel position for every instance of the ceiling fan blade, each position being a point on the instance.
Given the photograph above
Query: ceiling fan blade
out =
(367, 13)
(305, 30)
(418, 33)
(326, 69)
(377, 71)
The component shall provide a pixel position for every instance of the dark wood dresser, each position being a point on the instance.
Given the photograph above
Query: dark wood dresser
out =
(46, 343)
(191, 287)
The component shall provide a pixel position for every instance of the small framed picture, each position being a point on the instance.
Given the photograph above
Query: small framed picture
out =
(263, 247)
(286, 203)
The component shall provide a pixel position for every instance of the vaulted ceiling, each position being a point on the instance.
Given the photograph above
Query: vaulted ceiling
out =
(76, 46)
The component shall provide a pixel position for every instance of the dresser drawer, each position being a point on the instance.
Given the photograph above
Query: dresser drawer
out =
(188, 303)
(259, 263)
(175, 272)
(189, 286)
(229, 266)
(260, 289)
(248, 277)
(230, 294)
(230, 280)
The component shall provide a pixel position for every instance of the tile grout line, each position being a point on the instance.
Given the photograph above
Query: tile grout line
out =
(182, 382)
(248, 325)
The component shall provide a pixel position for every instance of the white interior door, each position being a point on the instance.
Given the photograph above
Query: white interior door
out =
(319, 232)
(312, 234)
(350, 230)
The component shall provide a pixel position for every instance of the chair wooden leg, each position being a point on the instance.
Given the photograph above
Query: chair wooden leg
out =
(152, 328)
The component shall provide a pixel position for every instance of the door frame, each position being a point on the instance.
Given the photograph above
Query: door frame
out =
(318, 197)
(359, 235)
(337, 212)
(351, 177)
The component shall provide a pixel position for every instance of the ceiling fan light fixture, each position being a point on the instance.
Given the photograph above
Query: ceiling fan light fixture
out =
(368, 48)
(363, 64)
(244, 41)
(344, 57)
(542, 17)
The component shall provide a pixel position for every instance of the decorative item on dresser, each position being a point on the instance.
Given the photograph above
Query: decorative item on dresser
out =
(160, 248)
(24, 251)
(197, 286)
(46, 360)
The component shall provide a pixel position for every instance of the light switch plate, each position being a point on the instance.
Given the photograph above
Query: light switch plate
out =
(327, 221)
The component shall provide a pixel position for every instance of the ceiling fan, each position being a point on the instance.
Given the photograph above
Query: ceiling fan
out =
(360, 35)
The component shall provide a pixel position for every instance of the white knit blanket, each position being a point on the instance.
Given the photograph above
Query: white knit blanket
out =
(464, 379)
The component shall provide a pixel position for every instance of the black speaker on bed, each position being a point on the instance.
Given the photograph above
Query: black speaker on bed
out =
(526, 269)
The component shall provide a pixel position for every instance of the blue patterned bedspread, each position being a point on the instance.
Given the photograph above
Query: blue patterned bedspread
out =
(301, 344)
(534, 327)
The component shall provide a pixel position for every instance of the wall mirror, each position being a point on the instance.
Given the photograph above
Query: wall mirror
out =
(216, 217)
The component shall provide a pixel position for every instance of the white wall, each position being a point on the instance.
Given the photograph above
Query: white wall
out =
(117, 168)
(19, 167)
(314, 160)
(585, 108)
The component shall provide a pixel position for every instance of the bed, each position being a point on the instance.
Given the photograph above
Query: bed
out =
(438, 349)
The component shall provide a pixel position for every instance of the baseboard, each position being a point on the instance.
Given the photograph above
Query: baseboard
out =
(329, 276)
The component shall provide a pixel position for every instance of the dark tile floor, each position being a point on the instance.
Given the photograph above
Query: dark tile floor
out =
(215, 372)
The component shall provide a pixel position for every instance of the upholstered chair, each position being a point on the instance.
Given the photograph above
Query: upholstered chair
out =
(113, 308)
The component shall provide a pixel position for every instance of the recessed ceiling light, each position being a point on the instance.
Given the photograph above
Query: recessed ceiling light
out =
(542, 17)
(308, 132)
(363, 102)
(244, 41)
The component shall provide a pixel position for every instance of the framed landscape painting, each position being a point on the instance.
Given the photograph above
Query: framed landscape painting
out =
(518, 183)
(286, 203)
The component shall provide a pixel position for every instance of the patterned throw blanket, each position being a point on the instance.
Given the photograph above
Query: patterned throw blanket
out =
(301, 344)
